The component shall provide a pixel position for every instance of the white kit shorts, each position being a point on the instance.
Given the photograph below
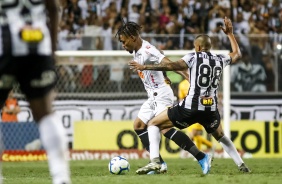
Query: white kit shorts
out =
(158, 101)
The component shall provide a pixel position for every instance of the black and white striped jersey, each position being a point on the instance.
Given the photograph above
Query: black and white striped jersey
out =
(23, 28)
(205, 73)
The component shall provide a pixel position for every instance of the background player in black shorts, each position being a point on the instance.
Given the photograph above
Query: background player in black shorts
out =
(27, 44)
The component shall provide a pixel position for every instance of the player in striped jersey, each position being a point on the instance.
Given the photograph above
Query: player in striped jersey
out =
(28, 30)
(160, 97)
(200, 105)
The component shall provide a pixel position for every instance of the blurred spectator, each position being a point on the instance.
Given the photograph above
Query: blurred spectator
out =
(117, 24)
(131, 81)
(216, 14)
(255, 48)
(75, 12)
(134, 15)
(66, 79)
(172, 24)
(103, 82)
(66, 40)
(133, 2)
(217, 34)
(10, 109)
(224, 4)
(242, 26)
(87, 78)
(111, 14)
(107, 36)
(155, 4)
(91, 39)
(248, 77)
(84, 7)
(188, 8)
(268, 67)
(146, 12)
(191, 26)
(246, 10)
(104, 5)
(188, 45)
(164, 17)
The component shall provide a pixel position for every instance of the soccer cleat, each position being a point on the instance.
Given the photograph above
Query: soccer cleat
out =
(153, 166)
(205, 163)
(244, 168)
(162, 170)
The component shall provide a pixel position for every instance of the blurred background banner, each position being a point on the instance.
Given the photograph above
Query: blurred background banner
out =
(94, 140)
(257, 139)
(16, 136)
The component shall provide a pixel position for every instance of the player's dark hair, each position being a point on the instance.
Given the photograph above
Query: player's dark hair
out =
(128, 29)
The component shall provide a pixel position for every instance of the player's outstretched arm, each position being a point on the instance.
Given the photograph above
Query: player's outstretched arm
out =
(165, 65)
(228, 30)
(184, 74)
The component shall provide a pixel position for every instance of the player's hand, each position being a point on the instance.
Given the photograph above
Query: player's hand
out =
(133, 65)
(228, 26)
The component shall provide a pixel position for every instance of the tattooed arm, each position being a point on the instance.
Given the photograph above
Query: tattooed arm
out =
(165, 65)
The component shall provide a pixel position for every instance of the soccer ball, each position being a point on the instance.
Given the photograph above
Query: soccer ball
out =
(119, 165)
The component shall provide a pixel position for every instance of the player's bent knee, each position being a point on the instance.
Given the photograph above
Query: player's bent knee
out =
(165, 130)
(139, 124)
(218, 135)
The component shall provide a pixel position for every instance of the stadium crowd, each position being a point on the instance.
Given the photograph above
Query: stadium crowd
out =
(172, 25)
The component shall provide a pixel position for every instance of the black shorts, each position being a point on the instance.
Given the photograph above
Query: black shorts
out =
(35, 74)
(182, 118)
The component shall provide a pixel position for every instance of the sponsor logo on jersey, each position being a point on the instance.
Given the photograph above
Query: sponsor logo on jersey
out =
(207, 101)
(29, 34)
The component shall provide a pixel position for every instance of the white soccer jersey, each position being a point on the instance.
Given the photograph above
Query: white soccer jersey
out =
(160, 94)
(149, 54)
(205, 73)
(16, 16)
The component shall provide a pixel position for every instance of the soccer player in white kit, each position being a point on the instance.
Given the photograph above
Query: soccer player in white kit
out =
(160, 95)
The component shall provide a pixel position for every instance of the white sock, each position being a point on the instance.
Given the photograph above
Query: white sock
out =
(154, 138)
(229, 147)
(52, 135)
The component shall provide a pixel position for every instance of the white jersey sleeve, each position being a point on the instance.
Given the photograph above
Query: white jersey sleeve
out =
(226, 59)
(189, 59)
(154, 55)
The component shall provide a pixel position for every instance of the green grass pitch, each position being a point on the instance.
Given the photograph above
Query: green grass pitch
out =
(180, 171)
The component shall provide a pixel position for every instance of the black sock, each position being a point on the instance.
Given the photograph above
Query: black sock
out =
(184, 142)
(143, 135)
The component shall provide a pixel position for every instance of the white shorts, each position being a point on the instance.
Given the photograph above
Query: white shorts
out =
(159, 100)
